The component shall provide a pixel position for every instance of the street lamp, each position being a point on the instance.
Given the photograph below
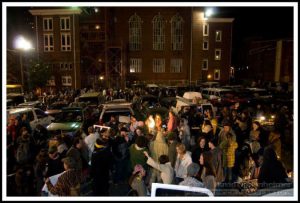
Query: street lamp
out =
(22, 44)
(209, 12)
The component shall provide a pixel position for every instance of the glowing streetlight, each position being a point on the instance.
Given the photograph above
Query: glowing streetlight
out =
(209, 76)
(22, 44)
(209, 12)
(101, 78)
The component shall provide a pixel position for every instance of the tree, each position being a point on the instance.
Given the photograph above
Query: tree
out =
(38, 74)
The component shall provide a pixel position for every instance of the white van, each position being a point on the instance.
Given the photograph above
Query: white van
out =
(35, 116)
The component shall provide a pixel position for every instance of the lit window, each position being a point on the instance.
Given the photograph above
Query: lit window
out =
(66, 80)
(48, 42)
(66, 42)
(205, 29)
(218, 54)
(65, 23)
(205, 64)
(135, 33)
(176, 65)
(217, 74)
(205, 44)
(135, 65)
(158, 32)
(47, 24)
(177, 32)
(158, 65)
(218, 36)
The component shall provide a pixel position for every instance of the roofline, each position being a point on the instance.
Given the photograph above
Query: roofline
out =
(219, 20)
(44, 12)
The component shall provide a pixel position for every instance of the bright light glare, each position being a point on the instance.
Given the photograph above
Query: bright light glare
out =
(209, 12)
(22, 43)
(262, 118)
(151, 123)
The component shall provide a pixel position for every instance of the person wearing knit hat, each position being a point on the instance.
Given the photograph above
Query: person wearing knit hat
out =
(101, 164)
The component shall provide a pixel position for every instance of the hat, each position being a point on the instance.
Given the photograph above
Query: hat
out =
(226, 123)
(193, 169)
(52, 149)
(138, 168)
(69, 161)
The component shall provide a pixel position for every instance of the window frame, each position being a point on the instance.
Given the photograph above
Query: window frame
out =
(48, 24)
(177, 33)
(219, 40)
(203, 61)
(205, 25)
(215, 71)
(65, 22)
(207, 41)
(135, 33)
(135, 65)
(176, 64)
(47, 48)
(159, 65)
(66, 45)
(158, 32)
(66, 78)
(220, 55)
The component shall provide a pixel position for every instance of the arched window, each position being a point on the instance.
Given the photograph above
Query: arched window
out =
(158, 32)
(135, 33)
(177, 32)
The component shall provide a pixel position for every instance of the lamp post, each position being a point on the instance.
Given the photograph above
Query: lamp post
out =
(22, 44)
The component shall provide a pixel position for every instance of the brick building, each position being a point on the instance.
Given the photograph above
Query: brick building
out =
(168, 45)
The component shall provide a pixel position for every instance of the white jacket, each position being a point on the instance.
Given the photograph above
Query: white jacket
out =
(167, 172)
(90, 141)
(182, 164)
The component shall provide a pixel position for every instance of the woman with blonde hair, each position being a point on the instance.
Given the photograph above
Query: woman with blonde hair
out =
(183, 160)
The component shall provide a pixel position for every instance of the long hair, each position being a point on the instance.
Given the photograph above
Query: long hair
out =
(208, 164)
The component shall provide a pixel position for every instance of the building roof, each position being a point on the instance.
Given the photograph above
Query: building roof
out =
(55, 11)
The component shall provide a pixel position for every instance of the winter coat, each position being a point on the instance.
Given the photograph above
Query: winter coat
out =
(167, 172)
(182, 164)
(217, 161)
(275, 142)
(137, 156)
(158, 147)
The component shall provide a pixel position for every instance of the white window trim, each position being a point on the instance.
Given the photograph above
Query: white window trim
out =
(65, 20)
(205, 34)
(220, 51)
(158, 33)
(66, 83)
(205, 40)
(177, 40)
(159, 65)
(217, 70)
(63, 66)
(206, 64)
(135, 65)
(220, 36)
(66, 46)
(135, 33)
(48, 23)
(176, 65)
(48, 48)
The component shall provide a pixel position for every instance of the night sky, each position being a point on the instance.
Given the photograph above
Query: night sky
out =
(250, 22)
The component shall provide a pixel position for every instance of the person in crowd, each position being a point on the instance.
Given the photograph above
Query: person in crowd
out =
(158, 147)
(172, 122)
(68, 183)
(25, 147)
(272, 170)
(55, 165)
(275, 142)
(217, 160)
(208, 176)
(227, 128)
(183, 160)
(25, 123)
(258, 135)
(184, 133)
(136, 181)
(101, 164)
(136, 152)
(172, 143)
(40, 169)
(201, 147)
(90, 140)
(139, 131)
(257, 160)
(207, 130)
(75, 152)
(24, 180)
(225, 114)
(61, 146)
(228, 146)
(120, 149)
(164, 167)
(113, 122)
(133, 124)
(190, 179)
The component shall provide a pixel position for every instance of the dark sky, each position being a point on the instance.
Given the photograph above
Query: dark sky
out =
(254, 22)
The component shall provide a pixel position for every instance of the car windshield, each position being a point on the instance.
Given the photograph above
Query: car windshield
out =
(69, 116)
(90, 100)
(116, 113)
(57, 106)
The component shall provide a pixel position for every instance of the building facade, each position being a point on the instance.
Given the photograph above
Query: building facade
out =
(118, 46)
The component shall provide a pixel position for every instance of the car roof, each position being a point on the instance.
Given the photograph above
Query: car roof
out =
(19, 110)
(91, 94)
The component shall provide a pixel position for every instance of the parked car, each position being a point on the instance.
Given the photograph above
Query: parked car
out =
(55, 108)
(116, 108)
(94, 99)
(34, 104)
(68, 121)
(36, 116)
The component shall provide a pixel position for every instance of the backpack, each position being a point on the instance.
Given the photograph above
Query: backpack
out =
(23, 152)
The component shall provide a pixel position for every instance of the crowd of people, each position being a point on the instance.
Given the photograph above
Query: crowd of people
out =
(241, 150)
